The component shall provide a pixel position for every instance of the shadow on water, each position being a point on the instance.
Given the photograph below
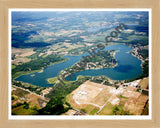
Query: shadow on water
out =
(123, 68)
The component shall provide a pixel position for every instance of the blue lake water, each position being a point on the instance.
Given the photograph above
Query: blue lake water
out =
(128, 67)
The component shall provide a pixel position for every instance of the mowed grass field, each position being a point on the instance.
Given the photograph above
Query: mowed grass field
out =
(52, 80)
(90, 109)
(107, 110)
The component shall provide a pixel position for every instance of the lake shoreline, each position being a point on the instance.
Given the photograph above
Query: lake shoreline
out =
(38, 71)
(118, 72)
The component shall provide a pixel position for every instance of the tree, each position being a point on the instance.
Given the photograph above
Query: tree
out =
(26, 105)
(116, 109)
(53, 107)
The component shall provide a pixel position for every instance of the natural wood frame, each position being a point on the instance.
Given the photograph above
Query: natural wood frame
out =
(6, 4)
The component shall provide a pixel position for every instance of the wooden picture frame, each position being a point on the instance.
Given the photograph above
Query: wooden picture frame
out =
(4, 63)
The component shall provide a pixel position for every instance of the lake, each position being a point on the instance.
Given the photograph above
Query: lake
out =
(128, 67)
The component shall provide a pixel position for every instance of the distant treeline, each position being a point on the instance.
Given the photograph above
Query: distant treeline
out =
(19, 38)
(30, 45)
(141, 41)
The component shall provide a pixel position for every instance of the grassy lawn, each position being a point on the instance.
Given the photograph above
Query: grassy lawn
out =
(13, 66)
(52, 80)
(94, 111)
(70, 82)
(90, 109)
(107, 110)
(68, 99)
(21, 111)
(123, 97)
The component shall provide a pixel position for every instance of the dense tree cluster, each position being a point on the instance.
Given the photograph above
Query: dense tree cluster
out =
(57, 97)
(144, 52)
(53, 107)
(104, 55)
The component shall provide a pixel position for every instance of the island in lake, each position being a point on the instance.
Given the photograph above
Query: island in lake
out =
(48, 77)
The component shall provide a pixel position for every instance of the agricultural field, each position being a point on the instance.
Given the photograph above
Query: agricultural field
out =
(20, 55)
(22, 98)
(20, 110)
(144, 83)
(98, 99)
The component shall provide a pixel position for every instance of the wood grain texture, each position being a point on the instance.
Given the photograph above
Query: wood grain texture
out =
(6, 4)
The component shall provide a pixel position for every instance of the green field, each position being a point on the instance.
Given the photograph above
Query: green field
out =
(107, 110)
(20, 110)
(90, 109)
(52, 80)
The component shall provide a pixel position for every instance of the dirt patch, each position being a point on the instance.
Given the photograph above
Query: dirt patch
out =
(103, 96)
(42, 103)
(88, 44)
(36, 100)
(27, 54)
(20, 60)
(40, 54)
(46, 91)
(130, 92)
(70, 112)
(86, 92)
(136, 106)
(16, 50)
(48, 33)
(14, 102)
(114, 100)
(20, 55)
(144, 83)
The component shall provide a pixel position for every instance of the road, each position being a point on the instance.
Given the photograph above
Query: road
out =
(30, 92)
(104, 104)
